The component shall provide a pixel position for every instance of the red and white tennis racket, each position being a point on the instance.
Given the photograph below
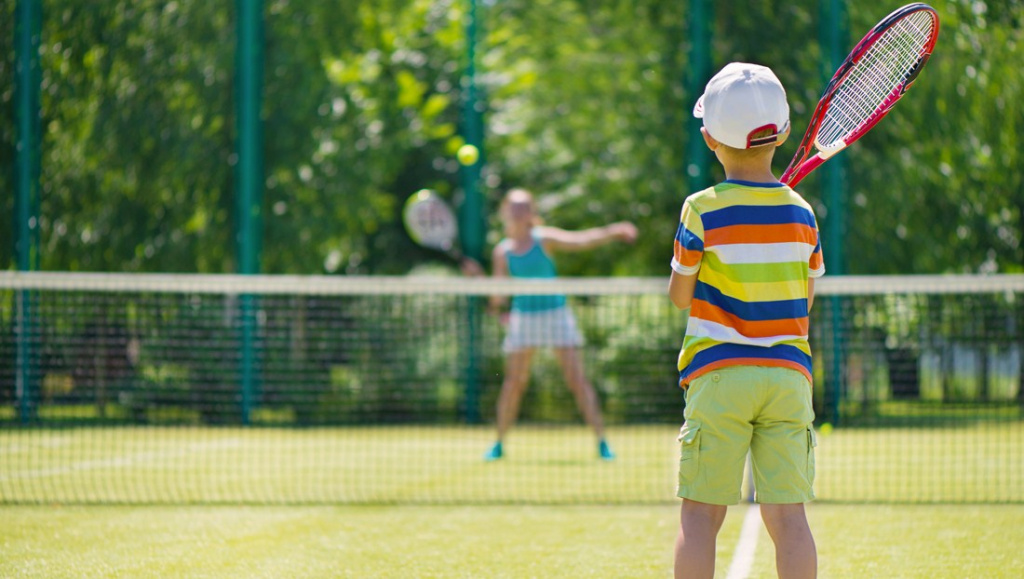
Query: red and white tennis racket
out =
(867, 84)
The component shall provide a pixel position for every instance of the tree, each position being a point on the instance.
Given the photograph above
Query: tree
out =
(586, 105)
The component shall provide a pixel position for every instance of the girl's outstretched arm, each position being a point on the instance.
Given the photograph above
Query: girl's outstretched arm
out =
(558, 239)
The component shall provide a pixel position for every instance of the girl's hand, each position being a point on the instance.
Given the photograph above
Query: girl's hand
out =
(471, 267)
(623, 231)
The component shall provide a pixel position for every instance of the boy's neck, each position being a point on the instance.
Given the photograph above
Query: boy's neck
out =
(752, 170)
(751, 175)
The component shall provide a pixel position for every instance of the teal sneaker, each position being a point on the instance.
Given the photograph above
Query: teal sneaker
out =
(494, 453)
(605, 451)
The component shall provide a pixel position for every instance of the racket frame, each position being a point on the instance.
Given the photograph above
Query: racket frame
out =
(450, 247)
(801, 166)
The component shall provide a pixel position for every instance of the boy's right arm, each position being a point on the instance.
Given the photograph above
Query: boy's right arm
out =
(680, 289)
(687, 255)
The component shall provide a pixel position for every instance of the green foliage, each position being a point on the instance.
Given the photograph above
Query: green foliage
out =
(136, 117)
(361, 103)
(585, 103)
(586, 109)
(938, 190)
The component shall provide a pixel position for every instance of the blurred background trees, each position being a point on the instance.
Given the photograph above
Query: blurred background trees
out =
(586, 104)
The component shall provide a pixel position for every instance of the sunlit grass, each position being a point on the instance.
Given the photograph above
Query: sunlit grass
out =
(906, 541)
(976, 462)
(624, 526)
(332, 465)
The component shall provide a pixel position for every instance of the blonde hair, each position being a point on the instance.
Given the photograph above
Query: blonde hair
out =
(526, 197)
(753, 152)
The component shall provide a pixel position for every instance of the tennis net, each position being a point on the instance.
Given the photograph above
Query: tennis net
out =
(119, 388)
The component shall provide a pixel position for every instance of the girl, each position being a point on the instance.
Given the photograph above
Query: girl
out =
(543, 320)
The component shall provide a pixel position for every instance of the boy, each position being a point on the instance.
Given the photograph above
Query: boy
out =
(745, 257)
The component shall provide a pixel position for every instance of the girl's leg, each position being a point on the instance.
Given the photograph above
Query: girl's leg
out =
(586, 399)
(517, 378)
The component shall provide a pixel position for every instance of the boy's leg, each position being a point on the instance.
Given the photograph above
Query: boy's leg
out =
(796, 556)
(715, 437)
(699, 524)
(782, 449)
(783, 441)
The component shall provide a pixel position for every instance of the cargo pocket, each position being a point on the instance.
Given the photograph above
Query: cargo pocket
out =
(689, 451)
(812, 442)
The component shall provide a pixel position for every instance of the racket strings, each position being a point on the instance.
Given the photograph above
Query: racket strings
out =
(877, 79)
(431, 223)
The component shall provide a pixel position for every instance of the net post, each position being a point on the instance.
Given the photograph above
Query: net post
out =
(471, 227)
(833, 37)
(249, 174)
(247, 360)
(25, 369)
(28, 26)
(699, 68)
(835, 381)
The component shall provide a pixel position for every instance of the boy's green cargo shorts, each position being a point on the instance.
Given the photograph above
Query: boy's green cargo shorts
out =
(766, 410)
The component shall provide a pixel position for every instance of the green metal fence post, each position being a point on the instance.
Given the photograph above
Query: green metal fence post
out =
(833, 39)
(249, 183)
(26, 174)
(471, 211)
(698, 156)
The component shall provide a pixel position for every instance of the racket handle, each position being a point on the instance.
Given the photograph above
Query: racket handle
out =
(803, 170)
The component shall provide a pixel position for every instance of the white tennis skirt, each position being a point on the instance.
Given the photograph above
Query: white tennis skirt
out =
(548, 328)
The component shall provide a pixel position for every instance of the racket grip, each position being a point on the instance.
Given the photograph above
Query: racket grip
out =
(803, 170)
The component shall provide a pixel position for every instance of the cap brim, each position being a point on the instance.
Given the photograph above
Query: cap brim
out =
(698, 109)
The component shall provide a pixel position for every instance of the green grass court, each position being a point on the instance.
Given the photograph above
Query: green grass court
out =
(917, 541)
(973, 462)
(436, 510)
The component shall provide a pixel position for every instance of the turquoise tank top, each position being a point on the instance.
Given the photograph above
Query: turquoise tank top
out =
(534, 264)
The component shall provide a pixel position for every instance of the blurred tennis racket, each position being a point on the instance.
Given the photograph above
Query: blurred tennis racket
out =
(430, 222)
(867, 85)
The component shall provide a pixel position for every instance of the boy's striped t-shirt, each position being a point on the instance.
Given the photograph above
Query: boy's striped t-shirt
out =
(753, 246)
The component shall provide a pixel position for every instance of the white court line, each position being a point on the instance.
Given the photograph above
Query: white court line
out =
(743, 557)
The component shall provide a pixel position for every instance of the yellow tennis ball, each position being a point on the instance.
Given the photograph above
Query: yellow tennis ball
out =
(826, 429)
(468, 154)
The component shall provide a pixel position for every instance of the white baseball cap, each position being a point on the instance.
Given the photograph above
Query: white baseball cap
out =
(743, 99)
